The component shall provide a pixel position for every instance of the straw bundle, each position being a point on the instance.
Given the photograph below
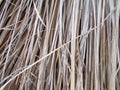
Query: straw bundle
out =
(59, 45)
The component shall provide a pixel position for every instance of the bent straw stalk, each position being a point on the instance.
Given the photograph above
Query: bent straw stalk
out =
(59, 44)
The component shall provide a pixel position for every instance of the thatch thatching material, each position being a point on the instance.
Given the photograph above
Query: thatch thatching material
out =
(59, 45)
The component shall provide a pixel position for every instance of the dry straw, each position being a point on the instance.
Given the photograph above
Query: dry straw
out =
(59, 45)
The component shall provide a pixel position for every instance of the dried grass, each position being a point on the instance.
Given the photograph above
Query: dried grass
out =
(59, 45)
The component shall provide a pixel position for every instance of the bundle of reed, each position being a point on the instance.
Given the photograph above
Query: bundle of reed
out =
(59, 45)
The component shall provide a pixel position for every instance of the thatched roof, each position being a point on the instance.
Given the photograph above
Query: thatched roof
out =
(59, 45)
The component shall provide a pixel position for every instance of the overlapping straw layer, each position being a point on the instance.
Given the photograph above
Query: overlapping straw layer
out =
(59, 45)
